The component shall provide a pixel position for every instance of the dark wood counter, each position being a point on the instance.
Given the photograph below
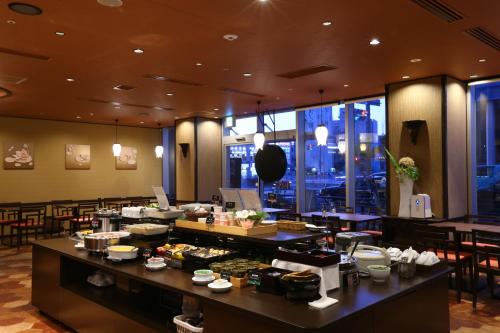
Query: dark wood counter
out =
(360, 308)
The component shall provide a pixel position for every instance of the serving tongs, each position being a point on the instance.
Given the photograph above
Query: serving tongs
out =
(298, 275)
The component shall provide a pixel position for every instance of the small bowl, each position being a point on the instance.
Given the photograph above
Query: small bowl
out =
(203, 273)
(379, 273)
(156, 261)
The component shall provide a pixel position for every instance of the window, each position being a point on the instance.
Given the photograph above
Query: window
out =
(369, 156)
(284, 121)
(486, 103)
(240, 166)
(324, 167)
(242, 126)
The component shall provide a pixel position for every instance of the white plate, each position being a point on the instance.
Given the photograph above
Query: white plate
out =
(268, 222)
(202, 281)
(80, 246)
(220, 288)
(315, 228)
(155, 268)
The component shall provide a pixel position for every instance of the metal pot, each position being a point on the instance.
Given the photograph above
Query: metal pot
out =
(348, 271)
(99, 244)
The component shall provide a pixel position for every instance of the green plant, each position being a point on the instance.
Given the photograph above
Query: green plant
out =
(257, 217)
(405, 167)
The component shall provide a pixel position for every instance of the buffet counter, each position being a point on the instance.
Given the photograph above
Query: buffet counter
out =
(144, 301)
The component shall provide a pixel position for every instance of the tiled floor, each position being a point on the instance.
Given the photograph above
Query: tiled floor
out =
(17, 314)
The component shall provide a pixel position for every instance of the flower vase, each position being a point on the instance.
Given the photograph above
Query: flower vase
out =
(246, 223)
(405, 193)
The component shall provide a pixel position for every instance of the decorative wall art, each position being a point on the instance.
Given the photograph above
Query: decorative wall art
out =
(18, 156)
(77, 157)
(127, 159)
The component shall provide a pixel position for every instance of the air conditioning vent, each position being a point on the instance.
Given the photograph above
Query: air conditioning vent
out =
(484, 37)
(440, 10)
(112, 103)
(123, 87)
(307, 71)
(241, 92)
(11, 79)
(24, 54)
(160, 77)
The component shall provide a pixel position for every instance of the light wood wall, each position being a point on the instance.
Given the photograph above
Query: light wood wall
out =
(417, 100)
(185, 166)
(209, 148)
(51, 181)
(456, 134)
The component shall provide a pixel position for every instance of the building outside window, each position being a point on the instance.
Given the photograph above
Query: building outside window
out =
(485, 101)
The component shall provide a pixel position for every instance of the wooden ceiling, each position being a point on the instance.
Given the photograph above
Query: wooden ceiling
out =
(275, 37)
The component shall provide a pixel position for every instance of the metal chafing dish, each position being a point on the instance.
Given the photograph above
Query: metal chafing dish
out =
(98, 242)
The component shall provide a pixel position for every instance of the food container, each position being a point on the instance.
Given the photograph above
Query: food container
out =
(156, 262)
(407, 270)
(301, 287)
(316, 258)
(203, 257)
(379, 273)
(99, 244)
(123, 252)
(348, 270)
(268, 280)
(291, 225)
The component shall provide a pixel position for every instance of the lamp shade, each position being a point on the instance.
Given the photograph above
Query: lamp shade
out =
(321, 134)
(159, 151)
(341, 146)
(259, 139)
(117, 149)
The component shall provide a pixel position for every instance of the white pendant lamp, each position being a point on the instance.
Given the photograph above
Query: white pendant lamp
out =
(117, 148)
(321, 131)
(259, 138)
(159, 148)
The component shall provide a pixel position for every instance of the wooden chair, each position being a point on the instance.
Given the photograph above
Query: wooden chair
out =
(445, 242)
(479, 219)
(374, 227)
(138, 201)
(86, 210)
(486, 260)
(62, 211)
(113, 203)
(9, 213)
(333, 226)
(288, 216)
(31, 218)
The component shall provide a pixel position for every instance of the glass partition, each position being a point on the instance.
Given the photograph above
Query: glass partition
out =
(324, 167)
(369, 156)
(240, 166)
(486, 103)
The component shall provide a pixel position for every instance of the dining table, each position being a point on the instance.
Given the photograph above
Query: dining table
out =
(468, 227)
(351, 218)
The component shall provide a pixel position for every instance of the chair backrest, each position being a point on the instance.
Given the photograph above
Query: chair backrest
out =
(34, 213)
(112, 203)
(59, 208)
(87, 209)
(483, 219)
(9, 211)
(137, 201)
(489, 249)
(289, 216)
(432, 238)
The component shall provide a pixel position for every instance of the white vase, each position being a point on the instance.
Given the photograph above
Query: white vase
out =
(405, 193)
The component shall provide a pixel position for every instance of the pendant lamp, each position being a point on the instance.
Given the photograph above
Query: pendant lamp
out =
(321, 131)
(159, 148)
(117, 148)
(259, 138)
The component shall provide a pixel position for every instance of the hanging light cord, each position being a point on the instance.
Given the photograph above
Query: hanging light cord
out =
(116, 130)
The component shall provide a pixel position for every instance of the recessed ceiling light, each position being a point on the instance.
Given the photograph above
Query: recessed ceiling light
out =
(115, 103)
(78, 117)
(225, 69)
(230, 37)
(199, 64)
(176, 117)
(170, 94)
(216, 109)
(473, 76)
(138, 51)
(91, 113)
(69, 79)
(482, 60)
(216, 117)
(405, 77)
(142, 122)
(415, 60)
(327, 23)
(59, 33)
(158, 108)
(11, 22)
(262, 0)
(278, 98)
(290, 89)
(247, 74)
(374, 41)
(346, 85)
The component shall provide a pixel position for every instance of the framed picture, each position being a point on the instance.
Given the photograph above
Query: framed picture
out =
(77, 157)
(127, 159)
(18, 156)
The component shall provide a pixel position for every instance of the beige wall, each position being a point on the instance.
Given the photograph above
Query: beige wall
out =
(185, 166)
(209, 158)
(417, 100)
(456, 145)
(51, 181)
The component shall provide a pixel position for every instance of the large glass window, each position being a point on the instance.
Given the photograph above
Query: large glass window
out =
(369, 156)
(324, 167)
(242, 126)
(284, 121)
(486, 102)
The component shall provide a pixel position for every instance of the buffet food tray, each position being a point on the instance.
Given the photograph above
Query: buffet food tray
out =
(316, 258)
(229, 230)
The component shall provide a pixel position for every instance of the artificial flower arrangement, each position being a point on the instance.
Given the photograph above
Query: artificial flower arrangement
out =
(405, 167)
(249, 218)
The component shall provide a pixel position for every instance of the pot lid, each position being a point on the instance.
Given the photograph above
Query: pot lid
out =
(369, 255)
